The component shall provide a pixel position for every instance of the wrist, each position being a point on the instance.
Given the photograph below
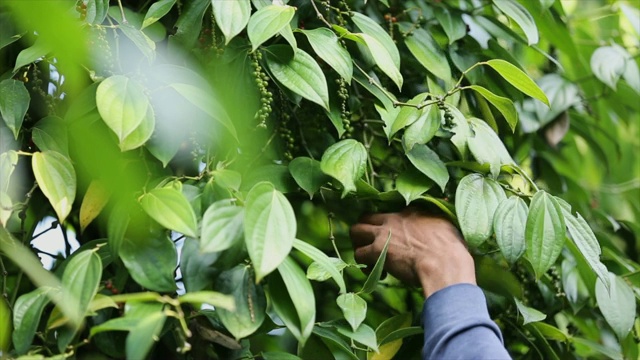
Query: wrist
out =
(436, 273)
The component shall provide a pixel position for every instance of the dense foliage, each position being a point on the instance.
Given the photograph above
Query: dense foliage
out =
(209, 156)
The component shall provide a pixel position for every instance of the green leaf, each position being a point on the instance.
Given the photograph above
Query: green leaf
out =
(529, 314)
(151, 261)
(31, 54)
(325, 43)
(6, 327)
(487, 147)
(345, 161)
(373, 278)
(451, 23)
(325, 265)
(250, 302)
(300, 74)
(423, 129)
(268, 21)
(57, 180)
(477, 199)
(353, 307)
(122, 104)
(170, 209)
(27, 312)
(80, 283)
(231, 17)
(213, 298)
(521, 16)
(383, 58)
(504, 105)
(518, 79)
(196, 267)
(509, 224)
(364, 335)
(96, 11)
(50, 133)
(298, 309)
(411, 184)
(608, 64)
(14, 103)
(222, 226)
(277, 355)
(632, 74)
(545, 232)
(586, 242)
(617, 303)
(146, 46)
(409, 114)
(368, 26)
(141, 134)
(269, 227)
(308, 174)
(335, 342)
(425, 49)
(429, 163)
(159, 9)
(287, 34)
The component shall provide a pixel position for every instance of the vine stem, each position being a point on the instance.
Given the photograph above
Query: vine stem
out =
(526, 177)
(331, 237)
(319, 14)
(124, 19)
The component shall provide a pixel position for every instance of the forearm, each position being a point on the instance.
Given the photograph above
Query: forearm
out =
(457, 326)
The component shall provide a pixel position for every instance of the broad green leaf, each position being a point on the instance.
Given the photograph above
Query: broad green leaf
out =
(287, 34)
(6, 327)
(196, 267)
(159, 9)
(308, 174)
(31, 54)
(529, 314)
(249, 298)
(171, 209)
(382, 58)
(521, 16)
(57, 180)
(222, 226)
(388, 349)
(269, 227)
(335, 342)
(608, 64)
(545, 232)
(8, 162)
(80, 283)
(368, 26)
(429, 163)
(213, 298)
(632, 74)
(146, 46)
(206, 101)
(325, 43)
(231, 16)
(461, 130)
(141, 134)
(509, 224)
(550, 332)
(300, 74)
(151, 261)
(278, 355)
(96, 11)
(117, 224)
(451, 23)
(596, 348)
(425, 49)
(411, 184)
(586, 242)
(353, 307)
(324, 264)
(345, 161)
(14, 103)
(617, 303)
(278, 175)
(373, 278)
(50, 133)
(27, 312)
(477, 199)
(267, 22)
(364, 335)
(518, 79)
(298, 309)
(122, 104)
(504, 105)
(6, 206)
(423, 129)
(486, 146)
(93, 202)
(409, 114)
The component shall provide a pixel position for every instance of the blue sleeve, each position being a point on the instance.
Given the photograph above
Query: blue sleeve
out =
(457, 326)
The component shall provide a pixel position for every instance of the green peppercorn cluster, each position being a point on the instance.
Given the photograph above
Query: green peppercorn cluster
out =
(81, 8)
(262, 81)
(448, 117)
(288, 141)
(343, 93)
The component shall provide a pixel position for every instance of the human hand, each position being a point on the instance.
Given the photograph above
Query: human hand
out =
(423, 250)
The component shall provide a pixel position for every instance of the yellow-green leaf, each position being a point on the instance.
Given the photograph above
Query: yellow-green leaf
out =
(518, 79)
(57, 180)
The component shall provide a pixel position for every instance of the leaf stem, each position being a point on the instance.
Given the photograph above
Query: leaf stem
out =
(319, 14)
(124, 19)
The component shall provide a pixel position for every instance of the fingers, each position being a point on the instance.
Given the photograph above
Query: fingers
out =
(366, 255)
(363, 234)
